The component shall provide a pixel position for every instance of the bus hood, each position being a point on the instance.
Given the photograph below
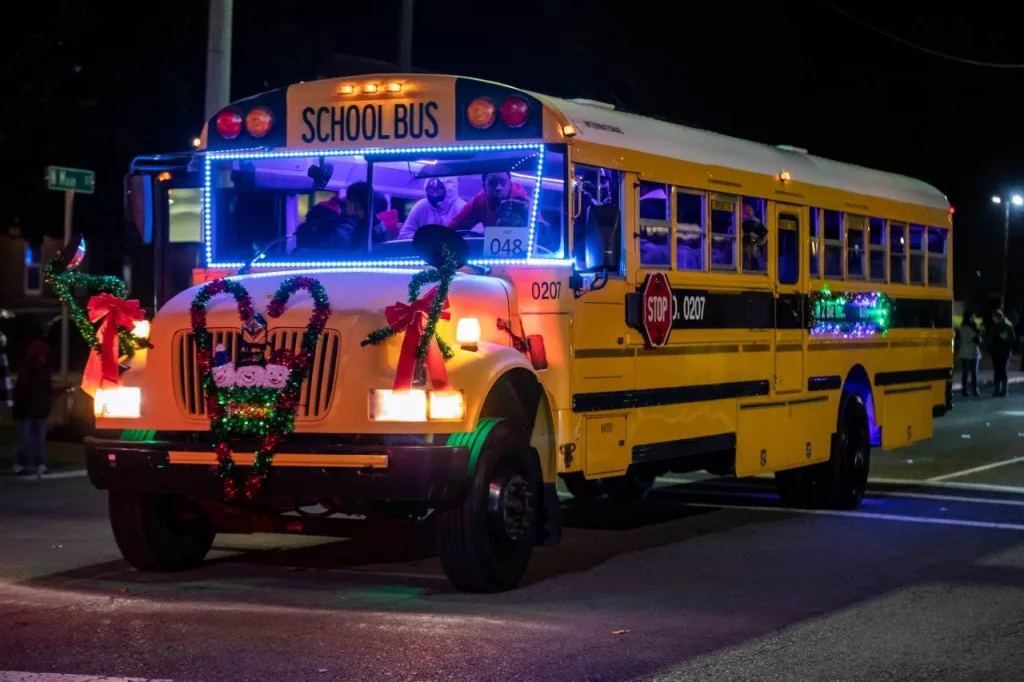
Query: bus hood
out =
(356, 298)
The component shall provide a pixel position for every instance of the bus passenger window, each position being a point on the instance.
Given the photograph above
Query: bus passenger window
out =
(789, 248)
(814, 262)
(690, 225)
(655, 228)
(591, 187)
(916, 254)
(937, 263)
(833, 244)
(755, 236)
(897, 252)
(855, 247)
(876, 246)
(723, 232)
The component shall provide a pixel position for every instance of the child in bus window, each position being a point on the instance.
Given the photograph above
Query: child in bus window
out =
(440, 204)
(482, 209)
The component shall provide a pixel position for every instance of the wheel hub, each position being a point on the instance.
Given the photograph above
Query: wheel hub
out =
(511, 506)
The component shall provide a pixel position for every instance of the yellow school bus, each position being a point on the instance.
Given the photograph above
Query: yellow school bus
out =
(635, 298)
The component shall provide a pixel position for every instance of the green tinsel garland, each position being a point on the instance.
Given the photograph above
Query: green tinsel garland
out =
(443, 275)
(64, 285)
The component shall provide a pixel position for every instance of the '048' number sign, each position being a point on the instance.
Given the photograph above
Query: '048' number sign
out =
(506, 242)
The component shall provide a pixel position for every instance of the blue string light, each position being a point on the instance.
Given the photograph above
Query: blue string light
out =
(370, 265)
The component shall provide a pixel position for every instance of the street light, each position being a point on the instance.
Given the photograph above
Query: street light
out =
(1015, 200)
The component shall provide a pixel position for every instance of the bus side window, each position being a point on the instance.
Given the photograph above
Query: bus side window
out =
(690, 230)
(855, 247)
(755, 236)
(916, 254)
(833, 244)
(897, 252)
(655, 228)
(937, 263)
(592, 187)
(876, 245)
(723, 232)
(789, 248)
(814, 262)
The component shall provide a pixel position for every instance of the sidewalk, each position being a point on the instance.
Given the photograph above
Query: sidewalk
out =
(985, 377)
(60, 456)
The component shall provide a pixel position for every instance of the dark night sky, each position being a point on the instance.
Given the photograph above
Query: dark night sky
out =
(93, 84)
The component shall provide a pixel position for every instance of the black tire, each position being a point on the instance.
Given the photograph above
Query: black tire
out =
(840, 482)
(160, 532)
(486, 541)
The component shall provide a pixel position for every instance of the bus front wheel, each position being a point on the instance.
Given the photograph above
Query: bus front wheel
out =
(840, 482)
(486, 541)
(160, 532)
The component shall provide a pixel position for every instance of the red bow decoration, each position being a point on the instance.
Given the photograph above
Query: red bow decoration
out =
(102, 369)
(411, 318)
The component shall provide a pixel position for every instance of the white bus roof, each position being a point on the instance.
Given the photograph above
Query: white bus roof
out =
(601, 124)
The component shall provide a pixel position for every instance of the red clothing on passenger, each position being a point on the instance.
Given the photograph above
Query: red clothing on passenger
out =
(479, 211)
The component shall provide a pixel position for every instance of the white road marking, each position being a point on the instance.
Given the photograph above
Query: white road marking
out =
(870, 493)
(15, 676)
(954, 485)
(975, 470)
(867, 515)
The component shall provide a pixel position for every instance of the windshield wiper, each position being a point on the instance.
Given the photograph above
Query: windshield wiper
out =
(244, 270)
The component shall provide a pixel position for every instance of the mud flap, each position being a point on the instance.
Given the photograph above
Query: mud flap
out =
(549, 529)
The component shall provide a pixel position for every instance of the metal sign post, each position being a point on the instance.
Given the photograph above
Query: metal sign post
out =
(69, 181)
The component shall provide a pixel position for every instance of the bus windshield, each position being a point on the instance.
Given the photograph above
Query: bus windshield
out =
(507, 204)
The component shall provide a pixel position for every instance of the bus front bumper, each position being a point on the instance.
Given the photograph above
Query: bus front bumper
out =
(412, 473)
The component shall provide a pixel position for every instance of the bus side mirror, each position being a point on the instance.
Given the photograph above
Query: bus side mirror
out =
(603, 238)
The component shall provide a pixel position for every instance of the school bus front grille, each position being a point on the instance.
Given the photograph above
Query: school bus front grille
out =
(317, 390)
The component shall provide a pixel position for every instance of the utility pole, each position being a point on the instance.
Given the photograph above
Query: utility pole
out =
(218, 57)
(405, 38)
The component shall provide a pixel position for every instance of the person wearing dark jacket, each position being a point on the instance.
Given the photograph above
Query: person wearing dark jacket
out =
(33, 392)
(1000, 344)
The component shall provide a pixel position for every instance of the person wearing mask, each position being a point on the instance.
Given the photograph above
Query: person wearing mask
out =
(1001, 341)
(440, 204)
(33, 393)
(353, 230)
(482, 209)
(969, 354)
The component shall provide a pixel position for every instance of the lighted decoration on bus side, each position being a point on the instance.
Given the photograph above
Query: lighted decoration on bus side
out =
(255, 154)
(850, 315)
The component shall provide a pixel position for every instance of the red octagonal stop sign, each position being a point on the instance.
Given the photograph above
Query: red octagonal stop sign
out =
(656, 309)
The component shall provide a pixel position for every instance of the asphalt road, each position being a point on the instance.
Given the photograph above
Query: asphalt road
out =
(707, 580)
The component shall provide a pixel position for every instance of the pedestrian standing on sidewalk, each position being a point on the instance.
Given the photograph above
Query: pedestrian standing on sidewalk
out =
(6, 387)
(1001, 341)
(33, 394)
(969, 354)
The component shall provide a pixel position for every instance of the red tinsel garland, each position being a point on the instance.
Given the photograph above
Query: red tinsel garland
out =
(232, 411)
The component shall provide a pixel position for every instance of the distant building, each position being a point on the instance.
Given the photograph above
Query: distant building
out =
(29, 310)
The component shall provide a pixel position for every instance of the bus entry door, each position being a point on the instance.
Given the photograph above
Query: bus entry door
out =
(789, 309)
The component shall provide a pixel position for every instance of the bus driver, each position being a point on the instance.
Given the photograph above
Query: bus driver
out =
(482, 209)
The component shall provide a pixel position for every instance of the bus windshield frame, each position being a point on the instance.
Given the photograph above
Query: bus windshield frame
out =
(256, 205)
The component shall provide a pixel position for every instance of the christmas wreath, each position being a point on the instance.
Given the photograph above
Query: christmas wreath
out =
(258, 398)
(108, 321)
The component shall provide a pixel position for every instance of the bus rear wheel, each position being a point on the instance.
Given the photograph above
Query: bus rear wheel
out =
(160, 532)
(486, 542)
(840, 482)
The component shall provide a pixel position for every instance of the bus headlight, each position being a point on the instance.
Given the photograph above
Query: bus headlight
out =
(123, 402)
(416, 405)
